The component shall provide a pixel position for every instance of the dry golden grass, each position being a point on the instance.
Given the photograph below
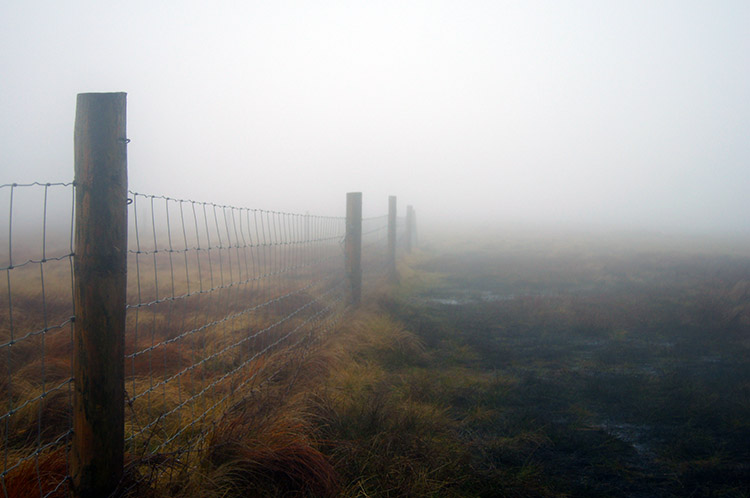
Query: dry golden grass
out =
(39, 477)
(274, 452)
(190, 355)
(262, 444)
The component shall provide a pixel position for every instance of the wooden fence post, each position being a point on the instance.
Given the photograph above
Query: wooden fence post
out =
(392, 237)
(101, 237)
(409, 227)
(414, 233)
(354, 245)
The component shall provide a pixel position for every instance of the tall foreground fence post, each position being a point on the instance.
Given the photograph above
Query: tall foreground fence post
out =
(409, 227)
(101, 235)
(353, 241)
(392, 237)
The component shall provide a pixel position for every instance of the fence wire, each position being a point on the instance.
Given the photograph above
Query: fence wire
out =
(221, 300)
(217, 294)
(374, 246)
(36, 330)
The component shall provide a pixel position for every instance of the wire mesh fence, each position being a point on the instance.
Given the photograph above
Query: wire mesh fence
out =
(36, 330)
(374, 246)
(220, 300)
(215, 291)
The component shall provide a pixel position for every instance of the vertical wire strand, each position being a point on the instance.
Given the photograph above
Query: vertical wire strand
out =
(43, 341)
(223, 311)
(262, 283)
(154, 252)
(190, 379)
(170, 306)
(139, 295)
(11, 335)
(228, 325)
(26, 344)
(72, 325)
(213, 300)
(274, 302)
(202, 289)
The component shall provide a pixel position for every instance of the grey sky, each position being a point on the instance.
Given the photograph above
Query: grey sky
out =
(625, 113)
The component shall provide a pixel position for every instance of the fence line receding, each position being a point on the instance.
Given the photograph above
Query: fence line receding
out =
(220, 299)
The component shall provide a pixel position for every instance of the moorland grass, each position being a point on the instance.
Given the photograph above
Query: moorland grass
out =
(503, 371)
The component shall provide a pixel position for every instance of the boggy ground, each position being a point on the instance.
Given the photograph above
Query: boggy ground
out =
(608, 371)
(520, 369)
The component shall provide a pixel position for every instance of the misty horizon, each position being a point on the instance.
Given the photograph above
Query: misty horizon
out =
(595, 116)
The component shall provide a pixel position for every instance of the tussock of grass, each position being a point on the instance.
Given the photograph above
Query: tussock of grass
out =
(383, 447)
(377, 337)
(44, 420)
(381, 441)
(271, 455)
(262, 445)
(38, 477)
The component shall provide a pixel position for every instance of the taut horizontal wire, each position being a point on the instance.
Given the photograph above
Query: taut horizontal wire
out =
(230, 285)
(257, 255)
(38, 261)
(38, 184)
(227, 374)
(266, 349)
(237, 208)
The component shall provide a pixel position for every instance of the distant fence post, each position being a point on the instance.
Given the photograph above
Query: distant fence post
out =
(409, 227)
(101, 236)
(354, 245)
(392, 237)
(414, 233)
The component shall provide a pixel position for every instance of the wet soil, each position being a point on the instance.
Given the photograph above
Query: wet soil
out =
(632, 370)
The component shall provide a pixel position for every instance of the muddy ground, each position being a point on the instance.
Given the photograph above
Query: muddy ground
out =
(624, 373)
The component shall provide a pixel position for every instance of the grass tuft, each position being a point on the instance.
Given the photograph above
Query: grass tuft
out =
(39, 477)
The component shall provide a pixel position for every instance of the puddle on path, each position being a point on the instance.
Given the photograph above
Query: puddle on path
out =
(635, 435)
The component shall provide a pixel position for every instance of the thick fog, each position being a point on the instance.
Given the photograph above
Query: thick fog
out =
(597, 113)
